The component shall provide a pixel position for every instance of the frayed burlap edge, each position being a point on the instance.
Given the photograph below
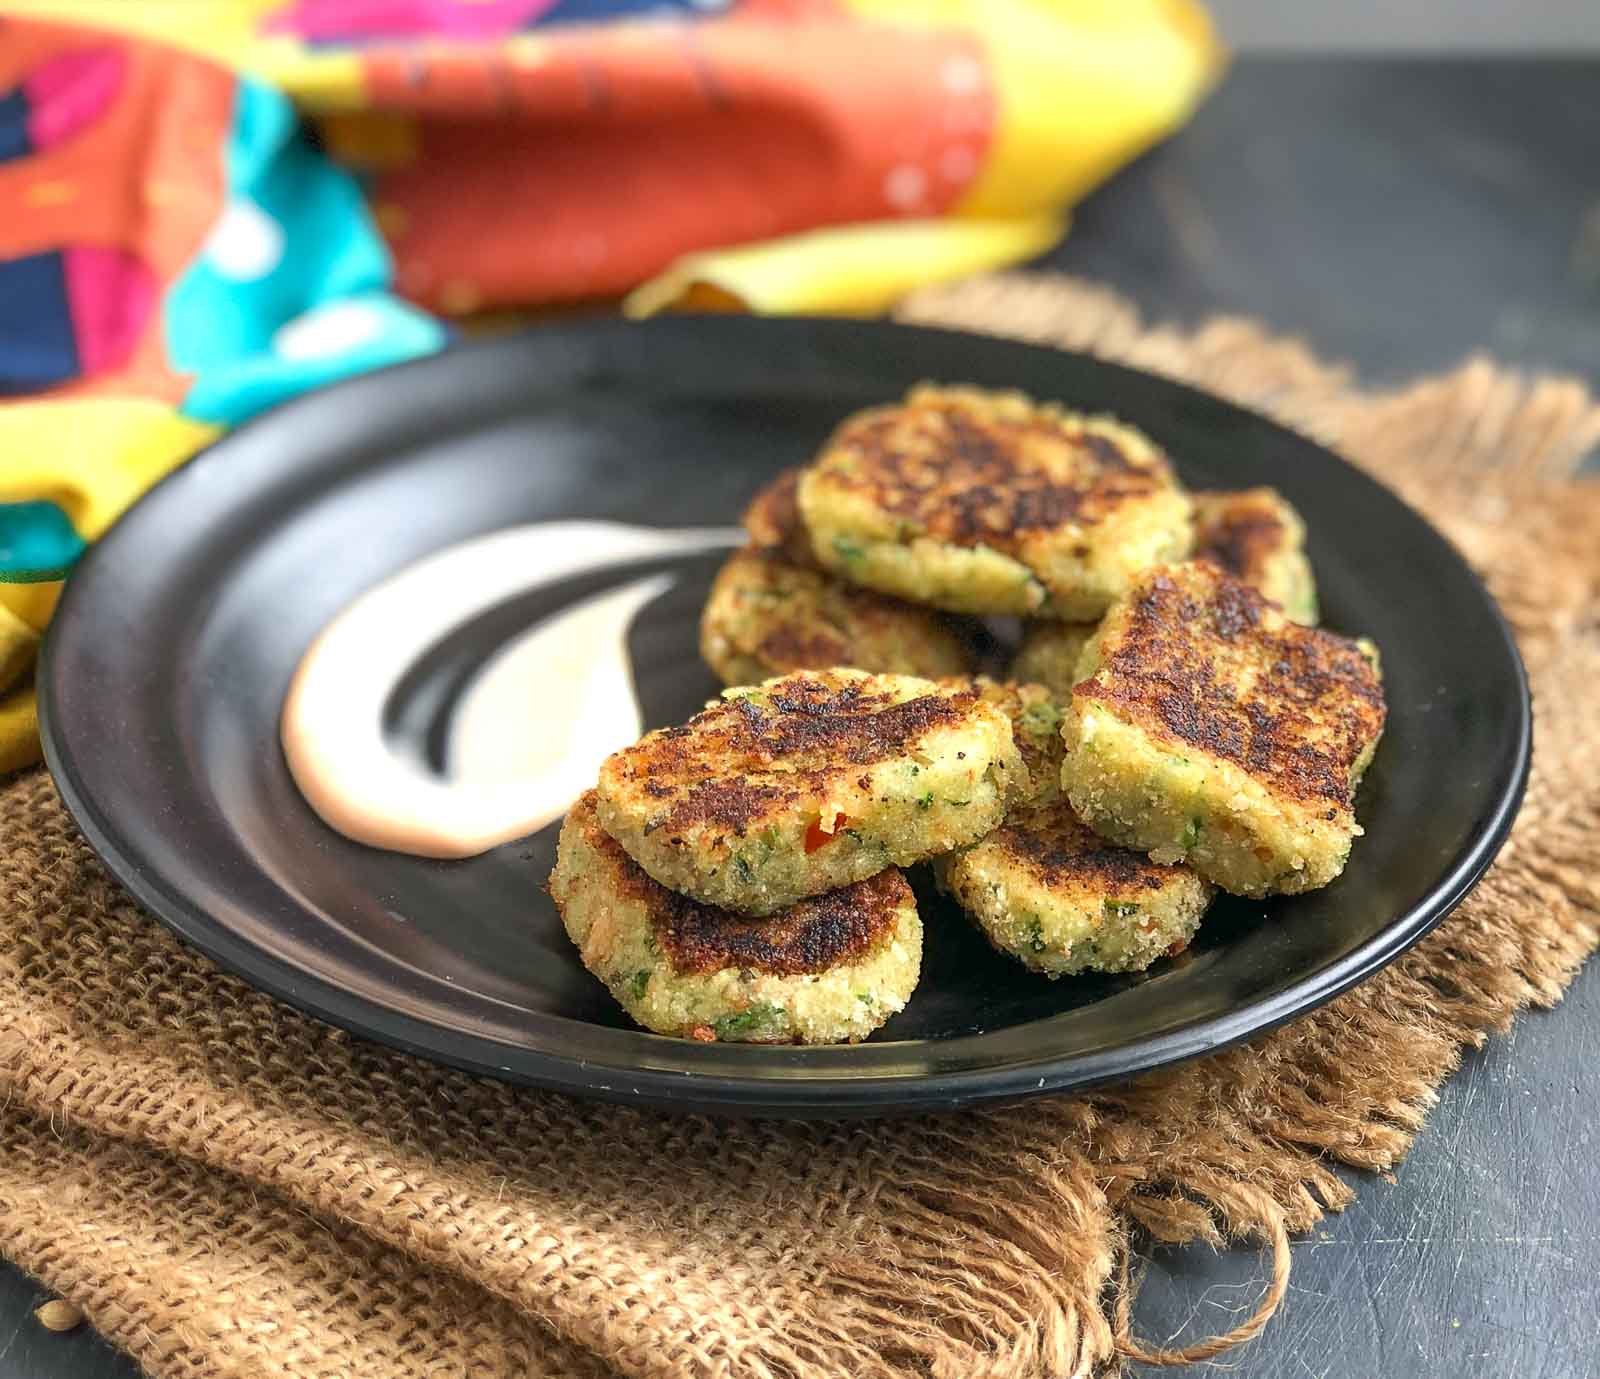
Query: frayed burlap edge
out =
(991, 1243)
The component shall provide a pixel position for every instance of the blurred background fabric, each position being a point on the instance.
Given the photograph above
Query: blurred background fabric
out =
(208, 206)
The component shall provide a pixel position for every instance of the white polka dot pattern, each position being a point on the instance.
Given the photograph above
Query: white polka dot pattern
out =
(245, 244)
(328, 330)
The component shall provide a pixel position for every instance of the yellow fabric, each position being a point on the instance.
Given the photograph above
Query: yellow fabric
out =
(1083, 86)
(853, 270)
(31, 603)
(19, 727)
(1077, 103)
(93, 457)
(226, 31)
(18, 644)
(213, 28)
(19, 734)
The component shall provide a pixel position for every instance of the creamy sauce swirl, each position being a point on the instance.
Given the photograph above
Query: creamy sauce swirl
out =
(528, 734)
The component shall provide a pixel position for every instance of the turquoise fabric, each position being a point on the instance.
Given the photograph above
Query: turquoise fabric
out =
(37, 542)
(290, 290)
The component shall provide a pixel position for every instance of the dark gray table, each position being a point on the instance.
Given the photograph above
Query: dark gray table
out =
(1400, 216)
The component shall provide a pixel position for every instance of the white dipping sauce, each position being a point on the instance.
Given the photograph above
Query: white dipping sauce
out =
(529, 733)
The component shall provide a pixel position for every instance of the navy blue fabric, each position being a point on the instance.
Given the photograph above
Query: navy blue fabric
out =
(14, 141)
(37, 347)
(598, 11)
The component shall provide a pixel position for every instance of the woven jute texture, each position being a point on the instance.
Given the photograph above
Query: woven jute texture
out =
(230, 1188)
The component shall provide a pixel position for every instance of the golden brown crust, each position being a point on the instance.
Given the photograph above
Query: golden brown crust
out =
(767, 616)
(1049, 654)
(808, 782)
(967, 468)
(728, 804)
(1035, 728)
(812, 936)
(788, 647)
(773, 521)
(1241, 532)
(1058, 850)
(1200, 659)
(812, 725)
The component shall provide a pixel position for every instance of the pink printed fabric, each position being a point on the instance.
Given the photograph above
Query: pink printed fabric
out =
(330, 20)
(71, 93)
(110, 295)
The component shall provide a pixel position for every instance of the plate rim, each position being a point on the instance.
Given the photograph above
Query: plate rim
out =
(822, 1095)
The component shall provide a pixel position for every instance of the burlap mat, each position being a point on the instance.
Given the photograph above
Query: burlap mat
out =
(229, 1188)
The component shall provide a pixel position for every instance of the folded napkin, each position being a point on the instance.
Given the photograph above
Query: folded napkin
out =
(523, 151)
(229, 1188)
(177, 254)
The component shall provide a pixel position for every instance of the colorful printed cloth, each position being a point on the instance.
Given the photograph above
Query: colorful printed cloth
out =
(178, 251)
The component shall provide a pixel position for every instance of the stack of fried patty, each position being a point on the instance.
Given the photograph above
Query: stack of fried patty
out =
(737, 878)
(1172, 724)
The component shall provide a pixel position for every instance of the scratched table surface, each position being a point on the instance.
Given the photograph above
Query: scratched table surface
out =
(1399, 215)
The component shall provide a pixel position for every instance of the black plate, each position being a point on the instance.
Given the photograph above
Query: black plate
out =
(167, 663)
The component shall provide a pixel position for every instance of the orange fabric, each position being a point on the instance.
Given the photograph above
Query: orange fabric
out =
(147, 176)
(708, 134)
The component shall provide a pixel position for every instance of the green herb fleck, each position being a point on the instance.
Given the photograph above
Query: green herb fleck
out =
(741, 864)
(846, 549)
(1035, 936)
(866, 998)
(1041, 719)
(638, 982)
(759, 1019)
(1191, 834)
(959, 804)
(925, 801)
(1120, 909)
